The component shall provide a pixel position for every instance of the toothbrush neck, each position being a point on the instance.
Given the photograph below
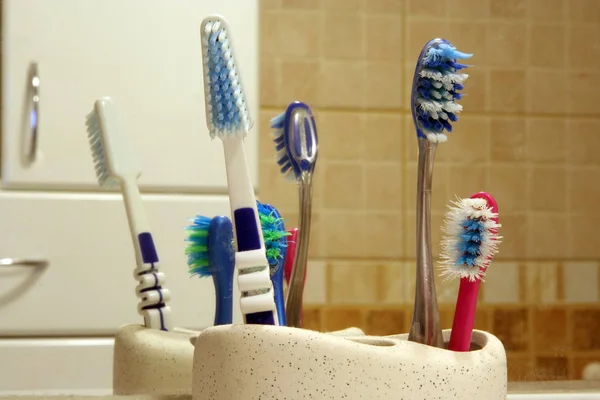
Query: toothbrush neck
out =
(427, 330)
(296, 287)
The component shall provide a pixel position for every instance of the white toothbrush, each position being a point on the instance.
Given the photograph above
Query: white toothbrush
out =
(116, 166)
(227, 117)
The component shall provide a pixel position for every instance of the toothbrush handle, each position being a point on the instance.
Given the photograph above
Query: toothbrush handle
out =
(222, 259)
(277, 279)
(152, 296)
(289, 262)
(290, 254)
(425, 327)
(257, 302)
(224, 301)
(254, 280)
(293, 305)
(464, 316)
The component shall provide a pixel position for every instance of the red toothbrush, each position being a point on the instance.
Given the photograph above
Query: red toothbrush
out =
(471, 242)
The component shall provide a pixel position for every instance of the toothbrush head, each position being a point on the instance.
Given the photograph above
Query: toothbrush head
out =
(296, 141)
(114, 159)
(471, 237)
(436, 87)
(225, 101)
(197, 248)
(274, 234)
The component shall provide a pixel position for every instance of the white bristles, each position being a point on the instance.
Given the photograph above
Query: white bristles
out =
(452, 107)
(429, 106)
(460, 211)
(437, 107)
(445, 78)
(435, 94)
(436, 137)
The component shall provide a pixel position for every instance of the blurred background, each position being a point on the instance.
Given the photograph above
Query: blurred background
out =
(529, 134)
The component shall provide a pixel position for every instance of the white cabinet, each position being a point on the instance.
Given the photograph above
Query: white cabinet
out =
(88, 286)
(146, 55)
(56, 366)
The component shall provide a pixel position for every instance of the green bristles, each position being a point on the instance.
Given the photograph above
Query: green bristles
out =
(197, 249)
(273, 232)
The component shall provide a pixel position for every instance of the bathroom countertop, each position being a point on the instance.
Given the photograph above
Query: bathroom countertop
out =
(554, 387)
(513, 388)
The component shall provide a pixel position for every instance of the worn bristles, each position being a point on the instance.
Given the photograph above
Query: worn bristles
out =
(274, 234)
(197, 248)
(227, 112)
(471, 239)
(437, 88)
(284, 162)
(97, 149)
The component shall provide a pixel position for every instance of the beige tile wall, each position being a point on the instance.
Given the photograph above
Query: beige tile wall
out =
(529, 134)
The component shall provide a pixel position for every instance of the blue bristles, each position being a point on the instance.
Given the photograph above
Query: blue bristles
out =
(436, 87)
(227, 113)
(197, 249)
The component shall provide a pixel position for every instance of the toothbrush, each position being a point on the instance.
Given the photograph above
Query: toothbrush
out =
(436, 84)
(210, 253)
(116, 166)
(227, 117)
(275, 237)
(297, 146)
(289, 262)
(471, 240)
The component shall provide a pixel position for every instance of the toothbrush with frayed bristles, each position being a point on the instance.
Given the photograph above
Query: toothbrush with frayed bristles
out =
(117, 167)
(471, 241)
(275, 237)
(297, 147)
(211, 253)
(436, 86)
(228, 117)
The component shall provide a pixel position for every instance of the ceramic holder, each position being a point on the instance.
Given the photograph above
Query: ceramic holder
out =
(252, 362)
(152, 362)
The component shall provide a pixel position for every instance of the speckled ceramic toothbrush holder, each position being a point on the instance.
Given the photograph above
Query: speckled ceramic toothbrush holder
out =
(152, 362)
(254, 362)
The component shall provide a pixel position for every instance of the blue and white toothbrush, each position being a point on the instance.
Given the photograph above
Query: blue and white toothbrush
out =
(211, 253)
(117, 167)
(228, 117)
(296, 143)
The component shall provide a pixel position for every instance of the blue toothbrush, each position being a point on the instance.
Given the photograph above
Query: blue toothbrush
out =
(211, 253)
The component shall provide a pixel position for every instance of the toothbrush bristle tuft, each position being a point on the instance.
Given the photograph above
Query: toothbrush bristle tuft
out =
(98, 154)
(471, 239)
(274, 234)
(197, 248)
(226, 107)
(282, 158)
(436, 88)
